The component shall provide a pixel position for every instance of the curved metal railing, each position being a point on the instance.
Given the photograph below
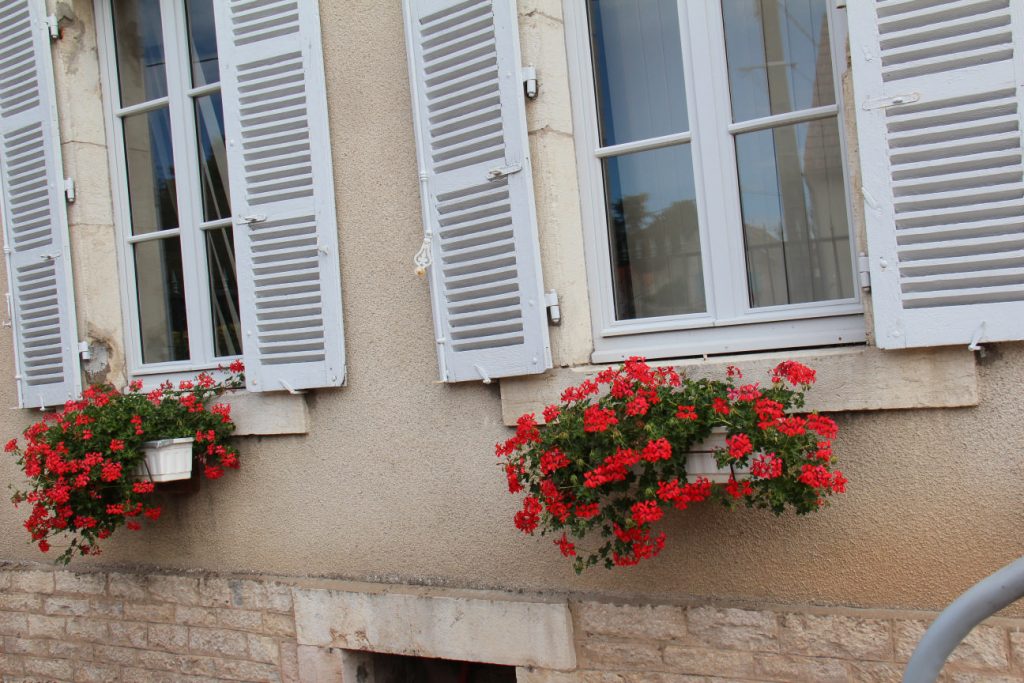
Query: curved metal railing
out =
(978, 602)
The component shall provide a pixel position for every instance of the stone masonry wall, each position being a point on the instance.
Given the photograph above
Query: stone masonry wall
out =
(118, 626)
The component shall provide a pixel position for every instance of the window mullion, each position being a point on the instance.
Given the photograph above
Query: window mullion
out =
(712, 158)
(183, 142)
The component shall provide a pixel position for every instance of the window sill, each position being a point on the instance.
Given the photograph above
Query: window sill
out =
(849, 379)
(257, 414)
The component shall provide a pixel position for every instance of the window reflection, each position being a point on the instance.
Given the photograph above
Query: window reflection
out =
(779, 56)
(794, 214)
(139, 43)
(638, 65)
(213, 162)
(151, 177)
(220, 254)
(160, 284)
(654, 234)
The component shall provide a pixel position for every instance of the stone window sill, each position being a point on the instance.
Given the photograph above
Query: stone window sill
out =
(849, 379)
(260, 414)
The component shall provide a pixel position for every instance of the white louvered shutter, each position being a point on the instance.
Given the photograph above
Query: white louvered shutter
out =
(282, 193)
(939, 122)
(477, 190)
(34, 214)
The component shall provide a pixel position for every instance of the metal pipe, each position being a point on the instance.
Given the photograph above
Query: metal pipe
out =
(979, 602)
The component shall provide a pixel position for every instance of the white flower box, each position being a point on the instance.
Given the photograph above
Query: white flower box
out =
(166, 460)
(700, 460)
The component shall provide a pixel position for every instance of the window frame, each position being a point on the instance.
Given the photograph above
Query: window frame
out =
(191, 231)
(714, 157)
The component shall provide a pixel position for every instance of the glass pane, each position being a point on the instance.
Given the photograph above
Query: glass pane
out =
(202, 42)
(151, 184)
(794, 214)
(779, 56)
(213, 160)
(653, 232)
(163, 325)
(220, 251)
(139, 44)
(638, 69)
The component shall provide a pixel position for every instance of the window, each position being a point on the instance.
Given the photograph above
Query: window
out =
(711, 154)
(171, 181)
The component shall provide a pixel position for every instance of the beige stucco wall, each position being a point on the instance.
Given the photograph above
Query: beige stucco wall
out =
(396, 480)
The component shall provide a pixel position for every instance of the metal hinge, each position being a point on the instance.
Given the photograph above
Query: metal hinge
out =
(864, 272)
(10, 310)
(52, 27)
(554, 310)
(69, 190)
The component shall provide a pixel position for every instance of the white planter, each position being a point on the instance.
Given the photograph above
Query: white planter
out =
(166, 460)
(700, 460)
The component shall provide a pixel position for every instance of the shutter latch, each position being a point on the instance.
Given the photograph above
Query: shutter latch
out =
(69, 190)
(864, 272)
(554, 310)
(254, 218)
(502, 171)
(883, 102)
(422, 259)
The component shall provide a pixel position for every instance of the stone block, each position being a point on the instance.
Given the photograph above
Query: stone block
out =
(50, 669)
(181, 663)
(707, 662)
(262, 648)
(257, 595)
(279, 624)
(5, 580)
(43, 626)
(248, 671)
(215, 592)
(180, 590)
(85, 628)
(773, 667)
(196, 616)
(107, 607)
(26, 646)
(145, 676)
(239, 619)
(129, 586)
(468, 625)
(836, 636)
(32, 582)
(11, 664)
(66, 649)
(131, 633)
(20, 602)
(876, 672)
(668, 678)
(13, 624)
(985, 647)
(170, 637)
(734, 629)
(86, 584)
(149, 613)
(656, 622)
(289, 662)
(1017, 647)
(599, 653)
(116, 654)
(91, 672)
(268, 413)
(530, 675)
(979, 677)
(66, 606)
(319, 664)
(217, 641)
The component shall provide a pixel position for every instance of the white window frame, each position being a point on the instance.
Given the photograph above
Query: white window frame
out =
(729, 325)
(191, 230)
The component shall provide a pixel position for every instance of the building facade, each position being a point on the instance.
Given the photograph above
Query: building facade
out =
(704, 184)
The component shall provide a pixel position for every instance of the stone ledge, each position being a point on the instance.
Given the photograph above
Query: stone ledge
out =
(259, 414)
(486, 628)
(849, 379)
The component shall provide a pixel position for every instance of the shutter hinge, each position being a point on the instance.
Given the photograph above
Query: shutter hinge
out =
(530, 81)
(976, 338)
(84, 351)
(10, 311)
(883, 102)
(554, 310)
(51, 26)
(69, 190)
(840, 4)
(864, 272)
(423, 259)
(502, 171)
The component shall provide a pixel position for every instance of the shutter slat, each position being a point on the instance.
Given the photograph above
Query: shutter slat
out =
(939, 122)
(469, 111)
(34, 213)
(282, 193)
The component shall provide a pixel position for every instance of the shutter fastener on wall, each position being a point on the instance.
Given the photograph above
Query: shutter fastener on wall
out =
(52, 27)
(84, 351)
(530, 81)
(864, 272)
(554, 310)
(69, 190)
(502, 171)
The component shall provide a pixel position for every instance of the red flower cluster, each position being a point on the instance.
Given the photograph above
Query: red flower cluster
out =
(611, 458)
(80, 461)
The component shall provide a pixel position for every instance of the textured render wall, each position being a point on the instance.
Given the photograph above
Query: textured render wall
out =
(397, 481)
